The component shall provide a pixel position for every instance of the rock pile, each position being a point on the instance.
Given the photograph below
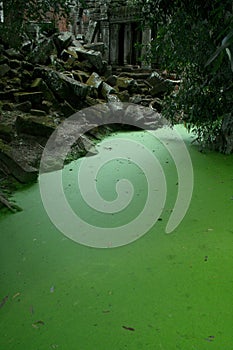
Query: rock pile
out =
(41, 86)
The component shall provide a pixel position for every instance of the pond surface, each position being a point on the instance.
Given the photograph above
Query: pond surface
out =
(162, 291)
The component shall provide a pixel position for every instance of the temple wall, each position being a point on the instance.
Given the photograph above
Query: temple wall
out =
(117, 26)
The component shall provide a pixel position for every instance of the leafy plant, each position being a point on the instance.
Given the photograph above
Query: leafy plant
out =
(186, 35)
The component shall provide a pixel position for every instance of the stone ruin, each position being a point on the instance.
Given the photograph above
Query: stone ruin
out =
(117, 26)
(55, 75)
(48, 83)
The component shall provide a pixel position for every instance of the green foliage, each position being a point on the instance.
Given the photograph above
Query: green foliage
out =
(227, 44)
(185, 41)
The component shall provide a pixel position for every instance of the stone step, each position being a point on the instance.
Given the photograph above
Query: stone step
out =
(136, 75)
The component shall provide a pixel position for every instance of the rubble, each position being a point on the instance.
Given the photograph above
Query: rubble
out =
(60, 76)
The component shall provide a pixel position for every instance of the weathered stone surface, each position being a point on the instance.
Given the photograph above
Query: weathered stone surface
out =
(6, 130)
(7, 106)
(62, 86)
(63, 40)
(127, 84)
(49, 95)
(107, 89)
(97, 46)
(42, 52)
(13, 73)
(94, 101)
(66, 109)
(84, 66)
(96, 114)
(91, 31)
(111, 98)
(4, 69)
(46, 106)
(16, 82)
(111, 80)
(93, 57)
(37, 112)
(70, 60)
(86, 146)
(27, 65)
(8, 95)
(34, 125)
(39, 85)
(12, 53)
(80, 76)
(124, 96)
(136, 114)
(72, 51)
(26, 79)
(34, 97)
(15, 166)
(4, 59)
(76, 42)
(135, 99)
(95, 81)
(24, 106)
(159, 84)
(14, 64)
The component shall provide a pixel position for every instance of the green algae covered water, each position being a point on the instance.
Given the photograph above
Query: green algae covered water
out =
(162, 291)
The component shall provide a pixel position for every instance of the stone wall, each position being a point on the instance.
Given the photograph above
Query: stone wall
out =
(117, 26)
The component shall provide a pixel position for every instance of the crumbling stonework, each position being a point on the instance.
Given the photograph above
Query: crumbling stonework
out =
(115, 24)
(36, 98)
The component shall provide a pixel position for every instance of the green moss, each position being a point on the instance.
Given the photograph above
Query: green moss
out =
(4, 148)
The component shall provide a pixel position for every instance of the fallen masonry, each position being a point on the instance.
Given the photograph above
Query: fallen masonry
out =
(39, 91)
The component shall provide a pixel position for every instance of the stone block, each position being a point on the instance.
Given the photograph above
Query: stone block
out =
(4, 69)
(95, 81)
(6, 130)
(42, 52)
(15, 166)
(24, 106)
(63, 40)
(34, 97)
(12, 53)
(107, 90)
(65, 88)
(35, 125)
(93, 57)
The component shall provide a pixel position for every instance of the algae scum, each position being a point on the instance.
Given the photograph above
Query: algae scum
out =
(163, 291)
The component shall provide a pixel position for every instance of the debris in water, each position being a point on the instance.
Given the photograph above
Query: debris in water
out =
(210, 338)
(31, 310)
(4, 300)
(128, 328)
(16, 295)
(38, 323)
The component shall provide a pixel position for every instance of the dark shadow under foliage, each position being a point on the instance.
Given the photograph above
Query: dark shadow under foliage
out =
(195, 40)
